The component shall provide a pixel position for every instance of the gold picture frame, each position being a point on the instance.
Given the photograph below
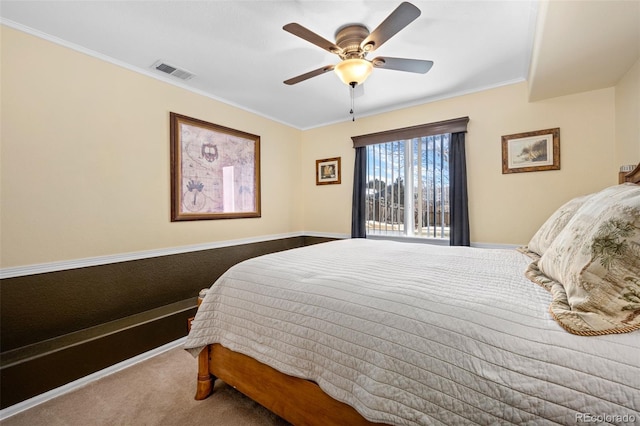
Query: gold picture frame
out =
(215, 171)
(531, 151)
(328, 171)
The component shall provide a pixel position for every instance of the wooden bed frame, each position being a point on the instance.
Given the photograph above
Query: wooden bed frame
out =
(633, 176)
(299, 401)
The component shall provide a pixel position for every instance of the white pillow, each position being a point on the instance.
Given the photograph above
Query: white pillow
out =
(592, 267)
(550, 229)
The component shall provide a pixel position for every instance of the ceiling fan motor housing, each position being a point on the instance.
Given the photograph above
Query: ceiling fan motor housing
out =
(349, 38)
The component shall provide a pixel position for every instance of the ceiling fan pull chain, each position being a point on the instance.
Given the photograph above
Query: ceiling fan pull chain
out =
(352, 92)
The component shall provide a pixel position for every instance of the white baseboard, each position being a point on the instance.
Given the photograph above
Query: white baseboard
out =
(496, 246)
(19, 271)
(325, 235)
(83, 381)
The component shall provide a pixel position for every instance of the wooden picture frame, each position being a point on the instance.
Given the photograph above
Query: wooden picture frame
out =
(215, 171)
(531, 151)
(328, 171)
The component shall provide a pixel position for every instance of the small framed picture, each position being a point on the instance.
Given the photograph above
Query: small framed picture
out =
(531, 151)
(328, 171)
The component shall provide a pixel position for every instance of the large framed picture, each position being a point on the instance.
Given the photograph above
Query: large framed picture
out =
(531, 151)
(215, 171)
(328, 171)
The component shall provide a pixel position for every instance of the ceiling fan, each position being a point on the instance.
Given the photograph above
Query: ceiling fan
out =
(354, 42)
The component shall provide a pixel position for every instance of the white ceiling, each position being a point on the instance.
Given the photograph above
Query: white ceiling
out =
(583, 45)
(240, 54)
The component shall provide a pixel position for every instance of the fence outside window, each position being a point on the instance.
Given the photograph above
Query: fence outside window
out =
(408, 187)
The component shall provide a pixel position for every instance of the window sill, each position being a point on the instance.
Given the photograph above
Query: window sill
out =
(406, 239)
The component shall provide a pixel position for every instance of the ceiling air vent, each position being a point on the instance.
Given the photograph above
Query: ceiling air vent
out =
(172, 70)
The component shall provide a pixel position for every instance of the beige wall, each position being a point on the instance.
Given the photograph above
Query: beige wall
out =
(503, 208)
(85, 159)
(628, 117)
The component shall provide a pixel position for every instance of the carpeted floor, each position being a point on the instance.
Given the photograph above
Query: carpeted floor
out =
(158, 391)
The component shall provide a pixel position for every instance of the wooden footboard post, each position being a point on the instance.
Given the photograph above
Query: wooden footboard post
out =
(205, 379)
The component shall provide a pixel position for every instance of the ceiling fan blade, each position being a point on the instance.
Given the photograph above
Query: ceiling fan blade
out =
(399, 18)
(311, 37)
(309, 74)
(402, 64)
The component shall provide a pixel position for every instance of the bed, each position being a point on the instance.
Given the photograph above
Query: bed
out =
(330, 334)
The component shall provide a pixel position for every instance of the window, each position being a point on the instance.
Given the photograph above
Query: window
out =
(408, 188)
(402, 184)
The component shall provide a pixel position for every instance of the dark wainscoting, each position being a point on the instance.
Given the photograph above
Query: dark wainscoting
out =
(60, 326)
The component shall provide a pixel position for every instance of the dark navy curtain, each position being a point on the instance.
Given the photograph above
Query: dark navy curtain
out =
(458, 208)
(359, 194)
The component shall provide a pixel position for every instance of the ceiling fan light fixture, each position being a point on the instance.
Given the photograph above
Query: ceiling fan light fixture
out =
(353, 70)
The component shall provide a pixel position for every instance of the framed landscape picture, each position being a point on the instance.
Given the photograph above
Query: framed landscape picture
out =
(215, 171)
(531, 151)
(328, 171)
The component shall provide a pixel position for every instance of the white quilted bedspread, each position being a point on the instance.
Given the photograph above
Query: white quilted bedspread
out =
(415, 334)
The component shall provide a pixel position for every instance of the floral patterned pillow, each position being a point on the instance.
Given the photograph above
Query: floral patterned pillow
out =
(550, 229)
(592, 268)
